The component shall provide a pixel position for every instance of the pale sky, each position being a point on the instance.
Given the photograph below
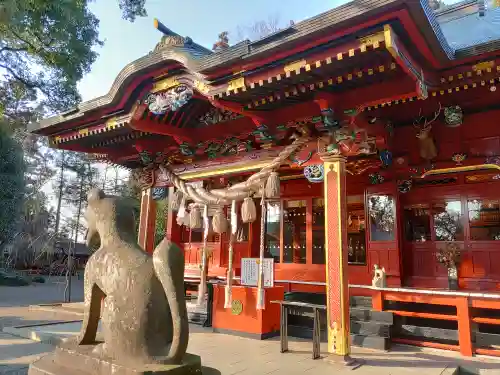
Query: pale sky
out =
(201, 20)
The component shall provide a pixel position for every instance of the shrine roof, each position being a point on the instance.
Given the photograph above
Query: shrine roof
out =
(380, 51)
(467, 15)
(350, 21)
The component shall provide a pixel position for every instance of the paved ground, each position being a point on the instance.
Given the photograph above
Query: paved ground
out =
(17, 353)
(221, 354)
(51, 291)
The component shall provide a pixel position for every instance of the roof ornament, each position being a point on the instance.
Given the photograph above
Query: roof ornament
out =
(484, 5)
(169, 38)
(222, 43)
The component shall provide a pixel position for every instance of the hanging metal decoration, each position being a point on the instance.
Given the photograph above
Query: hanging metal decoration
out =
(376, 178)
(314, 173)
(329, 121)
(159, 193)
(298, 161)
(385, 158)
(453, 116)
(146, 157)
(404, 186)
(170, 100)
(459, 157)
(186, 150)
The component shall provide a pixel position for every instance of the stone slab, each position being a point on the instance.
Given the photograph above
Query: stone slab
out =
(72, 359)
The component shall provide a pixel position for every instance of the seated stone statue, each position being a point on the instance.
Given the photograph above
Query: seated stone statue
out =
(379, 279)
(144, 317)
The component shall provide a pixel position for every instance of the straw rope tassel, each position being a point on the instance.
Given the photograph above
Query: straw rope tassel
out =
(203, 282)
(229, 281)
(261, 299)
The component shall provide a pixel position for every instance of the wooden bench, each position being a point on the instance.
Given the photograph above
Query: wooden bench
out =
(285, 306)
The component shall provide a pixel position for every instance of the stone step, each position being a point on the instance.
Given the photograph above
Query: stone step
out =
(197, 318)
(196, 314)
(407, 330)
(487, 340)
(365, 314)
(360, 301)
(371, 342)
(370, 328)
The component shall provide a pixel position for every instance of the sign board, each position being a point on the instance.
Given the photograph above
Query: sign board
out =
(250, 271)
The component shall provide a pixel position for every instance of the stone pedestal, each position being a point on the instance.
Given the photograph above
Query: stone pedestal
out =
(71, 359)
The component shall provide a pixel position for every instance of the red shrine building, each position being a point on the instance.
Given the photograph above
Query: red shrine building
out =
(391, 203)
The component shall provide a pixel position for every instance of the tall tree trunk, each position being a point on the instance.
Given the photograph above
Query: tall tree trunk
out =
(59, 200)
(116, 181)
(75, 241)
(79, 211)
(104, 180)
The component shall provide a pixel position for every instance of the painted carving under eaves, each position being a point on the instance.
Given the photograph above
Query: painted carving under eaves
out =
(314, 173)
(172, 99)
(348, 142)
(216, 115)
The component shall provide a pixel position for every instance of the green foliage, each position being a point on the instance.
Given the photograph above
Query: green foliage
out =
(132, 9)
(47, 46)
(38, 279)
(83, 176)
(11, 185)
(12, 280)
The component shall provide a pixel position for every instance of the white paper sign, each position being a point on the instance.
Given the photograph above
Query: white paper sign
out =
(250, 271)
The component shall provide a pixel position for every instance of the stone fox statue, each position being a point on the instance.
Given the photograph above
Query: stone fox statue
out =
(144, 317)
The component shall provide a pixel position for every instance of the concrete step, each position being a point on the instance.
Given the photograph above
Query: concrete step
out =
(197, 318)
(487, 340)
(365, 314)
(370, 328)
(432, 333)
(371, 342)
(196, 314)
(360, 301)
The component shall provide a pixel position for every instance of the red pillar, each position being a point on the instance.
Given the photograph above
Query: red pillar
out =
(464, 326)
(336, 255)
(147, 221)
